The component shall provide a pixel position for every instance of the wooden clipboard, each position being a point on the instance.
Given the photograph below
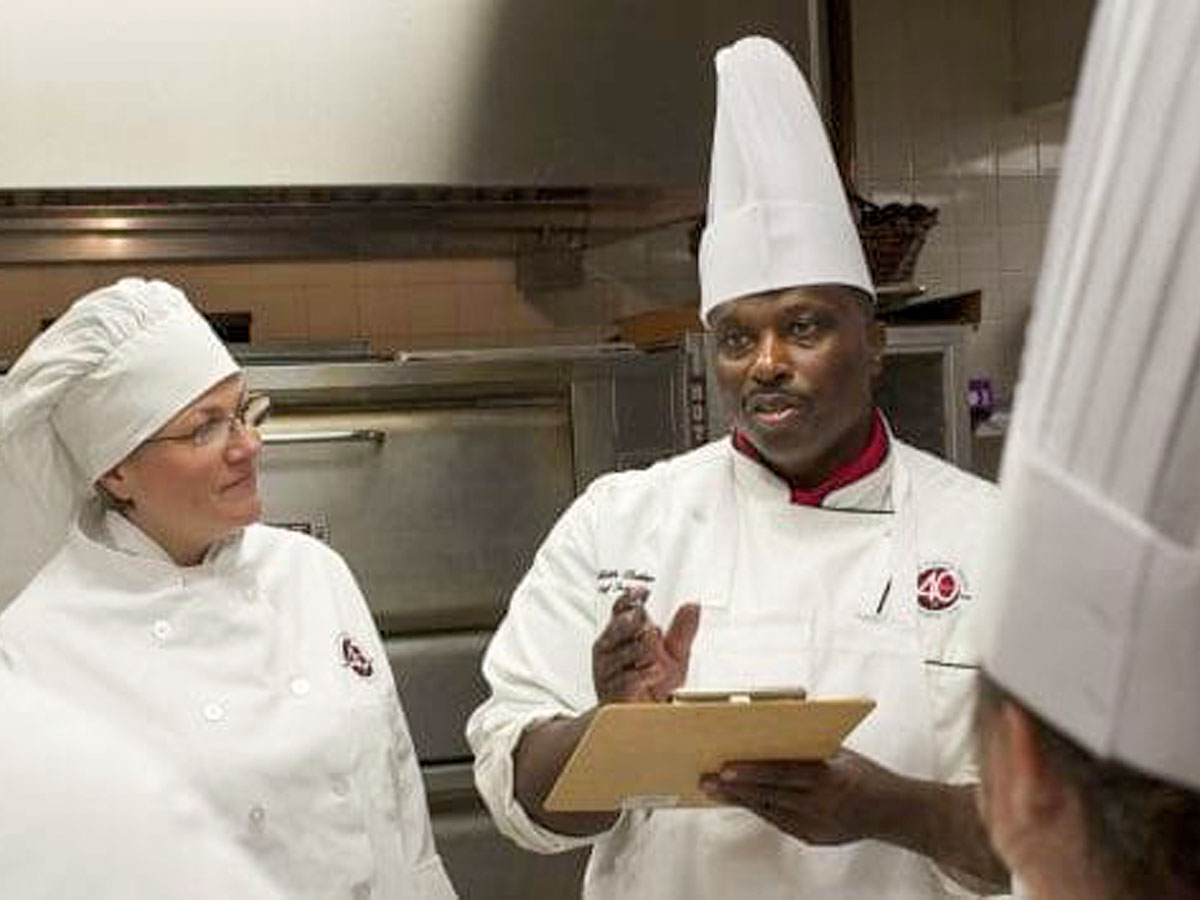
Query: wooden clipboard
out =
(653, 754)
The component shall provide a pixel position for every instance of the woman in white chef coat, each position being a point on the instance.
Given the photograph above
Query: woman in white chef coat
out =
(1089, 718)
(242, 653)
(811, 549)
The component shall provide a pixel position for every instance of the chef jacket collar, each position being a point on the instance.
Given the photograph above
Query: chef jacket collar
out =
(873, 493)
(103, 592)
(118, 533)
(850, 485)
(115, 543)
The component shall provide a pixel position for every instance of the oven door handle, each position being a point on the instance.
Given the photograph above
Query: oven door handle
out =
(352, 436)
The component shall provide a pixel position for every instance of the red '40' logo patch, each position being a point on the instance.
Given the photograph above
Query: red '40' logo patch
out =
(940, 586)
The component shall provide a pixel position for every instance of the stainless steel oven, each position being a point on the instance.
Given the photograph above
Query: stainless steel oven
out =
(436, 478)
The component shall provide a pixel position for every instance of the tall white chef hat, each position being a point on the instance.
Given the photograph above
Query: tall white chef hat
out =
(777, 211)
(112, 370)
(1098, 564)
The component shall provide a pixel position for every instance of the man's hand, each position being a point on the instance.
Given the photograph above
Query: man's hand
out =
(632, 660)
(850, 798)
(833, 802)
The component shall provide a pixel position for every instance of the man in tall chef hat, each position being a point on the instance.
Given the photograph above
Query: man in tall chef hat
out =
(812, 548)
(243, 655)
(1089, 716)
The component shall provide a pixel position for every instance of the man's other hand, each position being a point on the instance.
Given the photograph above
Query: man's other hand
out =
(633, 660)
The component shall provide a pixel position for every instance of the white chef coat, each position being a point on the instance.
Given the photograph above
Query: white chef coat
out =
(88, 814)
(261, 675)
(821, 597)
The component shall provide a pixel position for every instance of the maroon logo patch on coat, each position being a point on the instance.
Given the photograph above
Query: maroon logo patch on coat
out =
(355, 658)
(939, 587)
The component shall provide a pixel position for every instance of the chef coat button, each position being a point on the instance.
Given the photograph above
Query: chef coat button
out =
(214, 712)
(257, 818)
(300, 686)
(251, 594)
(341, 786)
(361, 891)
(161, 629)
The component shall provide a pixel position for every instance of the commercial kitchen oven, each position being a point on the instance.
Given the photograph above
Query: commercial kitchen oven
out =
(437, 476)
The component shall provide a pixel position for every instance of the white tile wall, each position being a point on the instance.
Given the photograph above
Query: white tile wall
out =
(935, 124)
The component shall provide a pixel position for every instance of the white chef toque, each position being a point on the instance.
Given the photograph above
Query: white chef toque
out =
(1096, 577)
(112, 370)
(777, 211)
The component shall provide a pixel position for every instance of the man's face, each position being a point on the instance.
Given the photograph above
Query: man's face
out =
(796, 368)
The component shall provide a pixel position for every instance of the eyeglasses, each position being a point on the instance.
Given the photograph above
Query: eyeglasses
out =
(250, 415)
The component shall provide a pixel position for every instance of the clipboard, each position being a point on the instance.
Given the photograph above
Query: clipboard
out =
(652, 754)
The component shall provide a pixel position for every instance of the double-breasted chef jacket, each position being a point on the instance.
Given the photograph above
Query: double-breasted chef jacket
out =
(261, 675)
(871, 593)
(89, 814)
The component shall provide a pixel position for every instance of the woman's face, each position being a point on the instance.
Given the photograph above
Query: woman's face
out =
(187, 495)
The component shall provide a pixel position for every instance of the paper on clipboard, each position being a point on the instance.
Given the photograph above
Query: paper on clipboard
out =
(653, 754)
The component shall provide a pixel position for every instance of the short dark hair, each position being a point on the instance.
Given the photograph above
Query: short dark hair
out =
(1143, 832)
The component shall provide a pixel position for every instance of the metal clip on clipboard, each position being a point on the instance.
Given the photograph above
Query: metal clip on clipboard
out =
(683, 695)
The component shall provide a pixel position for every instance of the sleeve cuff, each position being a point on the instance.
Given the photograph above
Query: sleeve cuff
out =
(494, 780)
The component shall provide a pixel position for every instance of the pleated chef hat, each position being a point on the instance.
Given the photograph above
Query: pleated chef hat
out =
(777, 212)
(1097, 569)
(112, 370)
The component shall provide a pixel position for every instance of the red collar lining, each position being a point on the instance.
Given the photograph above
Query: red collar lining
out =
(864, 464)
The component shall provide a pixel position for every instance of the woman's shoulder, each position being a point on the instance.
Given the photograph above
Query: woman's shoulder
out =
(290, 563)
(261, 537)
(293, 549)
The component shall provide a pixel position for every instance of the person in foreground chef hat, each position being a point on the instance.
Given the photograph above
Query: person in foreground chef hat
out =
(90, 815)
(812, 548)
(244, 655)
(1089, 715)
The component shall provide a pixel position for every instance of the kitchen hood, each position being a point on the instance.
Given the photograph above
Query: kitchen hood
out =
(311, 127)
(232, 224)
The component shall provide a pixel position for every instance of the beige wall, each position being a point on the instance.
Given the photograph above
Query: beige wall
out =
(934, 85)
(391, 303)
(394, 304)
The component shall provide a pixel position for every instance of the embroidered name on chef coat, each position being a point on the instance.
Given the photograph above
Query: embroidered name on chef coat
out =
(614, 581)
(354, 657)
